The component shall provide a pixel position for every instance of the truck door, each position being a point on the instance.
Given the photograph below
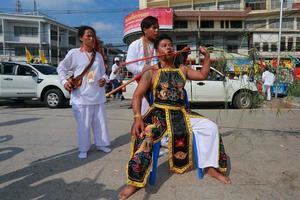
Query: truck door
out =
(211, 90)
(25, 82)
(7, 78)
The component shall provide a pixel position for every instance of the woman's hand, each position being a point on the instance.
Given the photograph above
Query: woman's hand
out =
(137, 126)
(102, 82)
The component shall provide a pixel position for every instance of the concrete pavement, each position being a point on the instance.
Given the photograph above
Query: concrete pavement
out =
(38, 157)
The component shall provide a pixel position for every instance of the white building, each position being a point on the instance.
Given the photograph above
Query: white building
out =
(35, 32)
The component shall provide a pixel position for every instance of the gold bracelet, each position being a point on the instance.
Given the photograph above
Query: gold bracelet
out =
(137, 116)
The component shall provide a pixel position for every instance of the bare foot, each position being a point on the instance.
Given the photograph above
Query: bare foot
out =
(215, 174)
(127, 191)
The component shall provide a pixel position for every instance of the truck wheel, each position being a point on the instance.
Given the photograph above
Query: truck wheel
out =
(243, 100)
(54, 98)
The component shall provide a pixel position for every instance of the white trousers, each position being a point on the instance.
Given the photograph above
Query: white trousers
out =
(207, 140)
(87, 117)
(267, 89)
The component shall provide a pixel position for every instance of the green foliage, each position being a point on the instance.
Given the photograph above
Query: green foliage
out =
(294, 89)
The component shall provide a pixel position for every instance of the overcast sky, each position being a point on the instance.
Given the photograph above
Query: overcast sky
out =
(106, 16)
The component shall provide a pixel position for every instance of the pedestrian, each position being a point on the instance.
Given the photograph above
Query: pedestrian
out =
(268, 79)
(116, 77)
(168, 115)
(88, 99)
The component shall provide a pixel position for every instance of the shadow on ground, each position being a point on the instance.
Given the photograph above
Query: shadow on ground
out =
(31, 182)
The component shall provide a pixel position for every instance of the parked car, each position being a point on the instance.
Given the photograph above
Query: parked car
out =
(217, 88)
(20, 81)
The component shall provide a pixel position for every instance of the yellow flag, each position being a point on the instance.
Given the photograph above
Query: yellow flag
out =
(42, 57)
(29, 57)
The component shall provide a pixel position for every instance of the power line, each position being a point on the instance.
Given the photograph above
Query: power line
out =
(78, 11)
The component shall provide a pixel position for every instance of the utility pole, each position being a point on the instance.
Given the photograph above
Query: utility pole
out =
(34, 8)
(18, 7)
(278, 47)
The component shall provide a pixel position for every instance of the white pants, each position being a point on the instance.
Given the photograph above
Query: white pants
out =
(91, 116)
(267, 89)
(207, 142)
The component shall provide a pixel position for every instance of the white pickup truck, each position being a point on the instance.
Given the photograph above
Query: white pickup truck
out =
(217, 88)
(20, 81)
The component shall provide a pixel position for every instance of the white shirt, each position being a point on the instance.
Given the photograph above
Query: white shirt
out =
(89, 93)
(268, 78)
(136, 51)
(117, 75)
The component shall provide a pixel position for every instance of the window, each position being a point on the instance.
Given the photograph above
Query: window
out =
(256, 24)
(229, 5)
(25, 31)
(275, 4)
(298, 23)
(24, 71)
(265, 46)
(54, 35)
(214, 76)
(224, 24)
(257, 45)
(282, 44)
(72, 40)
(236, 24)
(180, 24)
(273, 46)
(256, 4)
(287, 23)
(232, 48)
(207, 24)
(1, 31)
(205, 6)
(273, 23)
(290, 44)
(9, 68)
(182, 7)
(297, 43)
(20, 51)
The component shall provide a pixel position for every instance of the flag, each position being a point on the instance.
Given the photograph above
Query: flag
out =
(42, 57)
(29, 57)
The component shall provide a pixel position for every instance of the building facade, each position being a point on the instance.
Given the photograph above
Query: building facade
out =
(236, 26)
(35, 32)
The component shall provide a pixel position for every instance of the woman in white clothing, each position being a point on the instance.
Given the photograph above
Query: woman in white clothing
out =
(87, 100)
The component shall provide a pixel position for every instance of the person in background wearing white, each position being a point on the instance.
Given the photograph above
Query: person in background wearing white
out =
(143, 47)
(88, 100)
(268, 79)
(116, 76)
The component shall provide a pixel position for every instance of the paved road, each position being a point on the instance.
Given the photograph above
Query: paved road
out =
(38, 157)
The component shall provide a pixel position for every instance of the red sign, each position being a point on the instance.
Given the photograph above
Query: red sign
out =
(132, 22)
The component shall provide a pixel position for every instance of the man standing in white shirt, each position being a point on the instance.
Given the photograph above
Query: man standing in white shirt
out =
(143, 47)
(268, 79)
(88, 99)
(116, 76)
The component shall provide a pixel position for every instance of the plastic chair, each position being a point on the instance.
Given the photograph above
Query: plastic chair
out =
(156, 148)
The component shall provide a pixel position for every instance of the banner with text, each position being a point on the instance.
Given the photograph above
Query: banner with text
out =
(132, 22)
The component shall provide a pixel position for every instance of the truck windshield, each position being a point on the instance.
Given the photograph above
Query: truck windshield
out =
(46, 69)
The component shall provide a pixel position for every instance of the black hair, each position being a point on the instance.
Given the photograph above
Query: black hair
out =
(82, 29)
(147, 22)
(160, 38)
